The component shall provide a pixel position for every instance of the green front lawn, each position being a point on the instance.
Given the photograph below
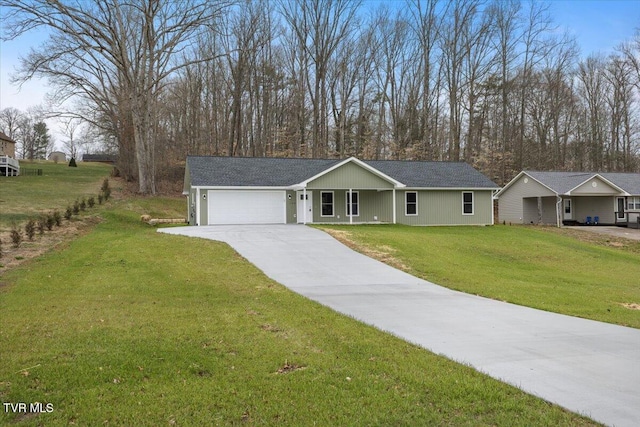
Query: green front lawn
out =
(126, 326)
(529, 266)
(24, 197)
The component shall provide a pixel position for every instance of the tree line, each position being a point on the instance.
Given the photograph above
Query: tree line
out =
(492, 83)
(28, 129)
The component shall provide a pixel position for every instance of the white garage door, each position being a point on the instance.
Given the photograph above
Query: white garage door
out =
(246, 207)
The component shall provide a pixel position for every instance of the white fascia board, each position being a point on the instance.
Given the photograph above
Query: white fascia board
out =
(360, 163)
(597, 175)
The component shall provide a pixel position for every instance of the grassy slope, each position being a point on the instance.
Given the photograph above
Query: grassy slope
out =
(58, 187)
(130, 327)
(523, 265)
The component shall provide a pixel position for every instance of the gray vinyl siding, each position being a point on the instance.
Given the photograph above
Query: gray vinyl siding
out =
(204, 208)
(539, 210)
(549, 215)
(292, 207)
(529, 211)
(444, 207)
(513, 209)
(349, 176)
(603, 207)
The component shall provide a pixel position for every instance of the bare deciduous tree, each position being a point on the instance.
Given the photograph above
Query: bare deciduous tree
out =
(106, 46)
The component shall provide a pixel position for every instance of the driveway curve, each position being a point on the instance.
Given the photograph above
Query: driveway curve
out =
(588, 367)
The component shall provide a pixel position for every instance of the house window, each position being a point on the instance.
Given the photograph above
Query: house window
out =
(467, 203)
(326, 205)
(353, 206)
(411, 203)
(633, 203)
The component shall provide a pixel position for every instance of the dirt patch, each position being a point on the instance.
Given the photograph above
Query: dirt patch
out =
(599, 237)
(382, 253)
(29, 249)
(270, 328)
(630, 305)
(289, 367)
(58, 236)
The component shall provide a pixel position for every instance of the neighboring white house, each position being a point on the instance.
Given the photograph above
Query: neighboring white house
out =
(571, 198)
(9, 166)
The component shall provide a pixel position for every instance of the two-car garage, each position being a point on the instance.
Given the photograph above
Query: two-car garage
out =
(246, 207)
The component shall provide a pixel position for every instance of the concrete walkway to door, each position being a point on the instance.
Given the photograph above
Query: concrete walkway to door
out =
(588, 367)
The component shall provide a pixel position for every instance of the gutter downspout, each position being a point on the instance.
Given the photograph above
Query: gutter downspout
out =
(558, 211)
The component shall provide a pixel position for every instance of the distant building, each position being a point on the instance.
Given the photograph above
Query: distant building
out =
(7, 146)
(58, 157)
(100, 158)
(9, 166)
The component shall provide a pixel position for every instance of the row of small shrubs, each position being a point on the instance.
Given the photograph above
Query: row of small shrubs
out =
(82, 204)
(48, 221)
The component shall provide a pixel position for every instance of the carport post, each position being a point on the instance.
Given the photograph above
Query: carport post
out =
(198, 206)
(394, 204)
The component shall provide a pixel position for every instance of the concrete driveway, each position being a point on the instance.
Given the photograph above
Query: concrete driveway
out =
(625, 233)
(589, 367)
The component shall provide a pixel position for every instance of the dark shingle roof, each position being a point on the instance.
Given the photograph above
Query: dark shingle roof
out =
(433, 174)
(630, 182)
(283, 172)
(560, 182)
(253, 171)
(563, 182)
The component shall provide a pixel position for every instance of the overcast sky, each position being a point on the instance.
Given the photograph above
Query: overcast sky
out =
(599, 26)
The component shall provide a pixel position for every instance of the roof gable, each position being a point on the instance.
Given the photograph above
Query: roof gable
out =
(352, 173)
(596, 185)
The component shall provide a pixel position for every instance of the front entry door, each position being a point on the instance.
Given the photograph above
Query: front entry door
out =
(567, 209)
(620, 210)
(302, 215)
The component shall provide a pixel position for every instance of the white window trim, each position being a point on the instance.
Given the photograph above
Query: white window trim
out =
(346, 203)
(633, 201)
(333, 205)
(406, 203)
(473, 203)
